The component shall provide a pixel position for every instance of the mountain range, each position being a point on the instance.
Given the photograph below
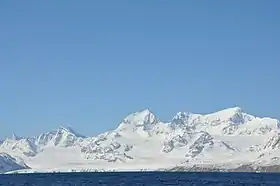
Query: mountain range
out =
(227, 139)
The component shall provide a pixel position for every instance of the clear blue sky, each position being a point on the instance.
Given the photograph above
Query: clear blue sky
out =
(88, 64)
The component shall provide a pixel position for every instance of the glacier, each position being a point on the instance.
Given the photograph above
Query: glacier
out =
(228, 140)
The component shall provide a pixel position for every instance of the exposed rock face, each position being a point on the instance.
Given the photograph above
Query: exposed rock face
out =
(273, 143)
(101, 150)
(8, 163)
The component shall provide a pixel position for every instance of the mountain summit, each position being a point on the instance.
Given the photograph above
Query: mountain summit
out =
(142, 120)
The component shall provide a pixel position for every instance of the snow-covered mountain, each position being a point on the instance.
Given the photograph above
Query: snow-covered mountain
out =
(229, 137)
(63, 137)
(9, 163)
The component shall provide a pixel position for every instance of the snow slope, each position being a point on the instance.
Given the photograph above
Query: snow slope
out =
(9, 163)
(229, 137)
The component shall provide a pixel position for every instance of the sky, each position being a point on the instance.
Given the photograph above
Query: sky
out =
(87, 64)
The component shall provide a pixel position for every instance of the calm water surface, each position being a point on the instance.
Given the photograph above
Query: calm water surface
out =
(141, 178)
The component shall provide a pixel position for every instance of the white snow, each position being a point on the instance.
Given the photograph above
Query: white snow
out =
(229, 137)
(9, 163)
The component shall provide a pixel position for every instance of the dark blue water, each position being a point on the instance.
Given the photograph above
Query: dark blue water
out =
(141, 178)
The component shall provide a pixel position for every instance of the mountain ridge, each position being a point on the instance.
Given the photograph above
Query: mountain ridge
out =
(226, 136)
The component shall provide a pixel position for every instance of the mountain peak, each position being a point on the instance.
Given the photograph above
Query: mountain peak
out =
(145, 111)
(65, 128)
(233, 114)
(63, 136)
(181, 115)
(142, 116)
(230, 111)
(144, 119)
(14, 137)
(68, 129)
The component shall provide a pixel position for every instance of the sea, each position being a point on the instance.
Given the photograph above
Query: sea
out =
(141, 179)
